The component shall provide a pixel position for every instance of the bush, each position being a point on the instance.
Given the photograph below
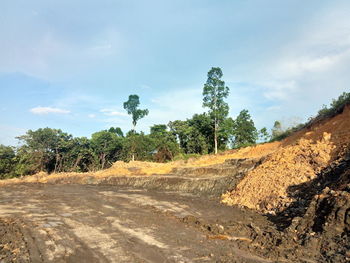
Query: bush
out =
(335, 107)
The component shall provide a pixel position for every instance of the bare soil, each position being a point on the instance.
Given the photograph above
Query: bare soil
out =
(82, 223)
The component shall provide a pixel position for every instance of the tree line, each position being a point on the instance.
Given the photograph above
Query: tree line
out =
(52, 150)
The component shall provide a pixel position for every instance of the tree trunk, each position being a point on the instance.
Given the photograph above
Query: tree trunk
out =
(215, 137)
(133, 144)
(57, 159)
(103, 160)
(77, 161)
(215, 124)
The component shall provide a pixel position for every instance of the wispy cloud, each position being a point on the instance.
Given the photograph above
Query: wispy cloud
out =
(111, 112)
(47, 110)
(145, 87)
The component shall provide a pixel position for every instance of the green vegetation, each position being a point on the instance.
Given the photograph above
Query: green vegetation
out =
(52, 150)
(244, 130)
(336, 106)
(131, 106)
(214, 93)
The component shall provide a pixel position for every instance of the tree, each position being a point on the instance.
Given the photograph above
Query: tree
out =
(264, 135)
(189, 136)
(244, 130)
(107, 146)
(118, 131)
(276, 130)
(180, 130)
(214, 93)
(7, 161)
(131, 106)
(137, 145)
(82, 157)
(165, 144)
(48, 145)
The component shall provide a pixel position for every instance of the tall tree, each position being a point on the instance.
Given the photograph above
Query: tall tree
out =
(131, 106)
(214, 93)
(277, 129)
(244, 130)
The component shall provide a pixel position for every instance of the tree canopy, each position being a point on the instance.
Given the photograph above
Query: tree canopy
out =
(214, 93)
(131, 106)
(244, 130)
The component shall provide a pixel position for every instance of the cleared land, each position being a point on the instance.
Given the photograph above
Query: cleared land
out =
(78, 223)
(290, 202)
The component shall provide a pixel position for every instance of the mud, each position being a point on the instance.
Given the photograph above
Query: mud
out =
(80, 223)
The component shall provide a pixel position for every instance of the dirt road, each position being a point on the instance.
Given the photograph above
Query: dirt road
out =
(82, 223)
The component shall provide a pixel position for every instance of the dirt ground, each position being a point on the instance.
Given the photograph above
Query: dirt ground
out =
(110, 223)
(82, 223)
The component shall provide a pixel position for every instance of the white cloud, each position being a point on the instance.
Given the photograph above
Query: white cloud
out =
(111, 112)
(92, 116)
(145, 87)
(309, 66)
(47, 110)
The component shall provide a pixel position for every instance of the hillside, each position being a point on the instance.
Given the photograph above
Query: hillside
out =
(299, 159)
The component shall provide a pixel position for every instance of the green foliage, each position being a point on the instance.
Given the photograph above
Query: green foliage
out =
(131, 106)
(335, 106)
(81, 156)
(285, 133)
(137, 146)
(52, 150)
(118, 131)
(165, 144)
(244, 130)
(326, 112)
(214, 93)
(107, 146)
(46, 145)
(7, 162)
(277, 129)
(264, 136)
(190, 137)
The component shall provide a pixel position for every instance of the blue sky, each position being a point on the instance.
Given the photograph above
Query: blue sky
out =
(71, 64)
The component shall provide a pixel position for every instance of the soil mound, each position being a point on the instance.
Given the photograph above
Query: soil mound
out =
(302, 157)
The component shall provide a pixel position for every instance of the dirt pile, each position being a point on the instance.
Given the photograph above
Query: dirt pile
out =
(302, 157)
(268, 184)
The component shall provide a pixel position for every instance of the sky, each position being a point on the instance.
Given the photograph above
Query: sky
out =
(71, 64)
